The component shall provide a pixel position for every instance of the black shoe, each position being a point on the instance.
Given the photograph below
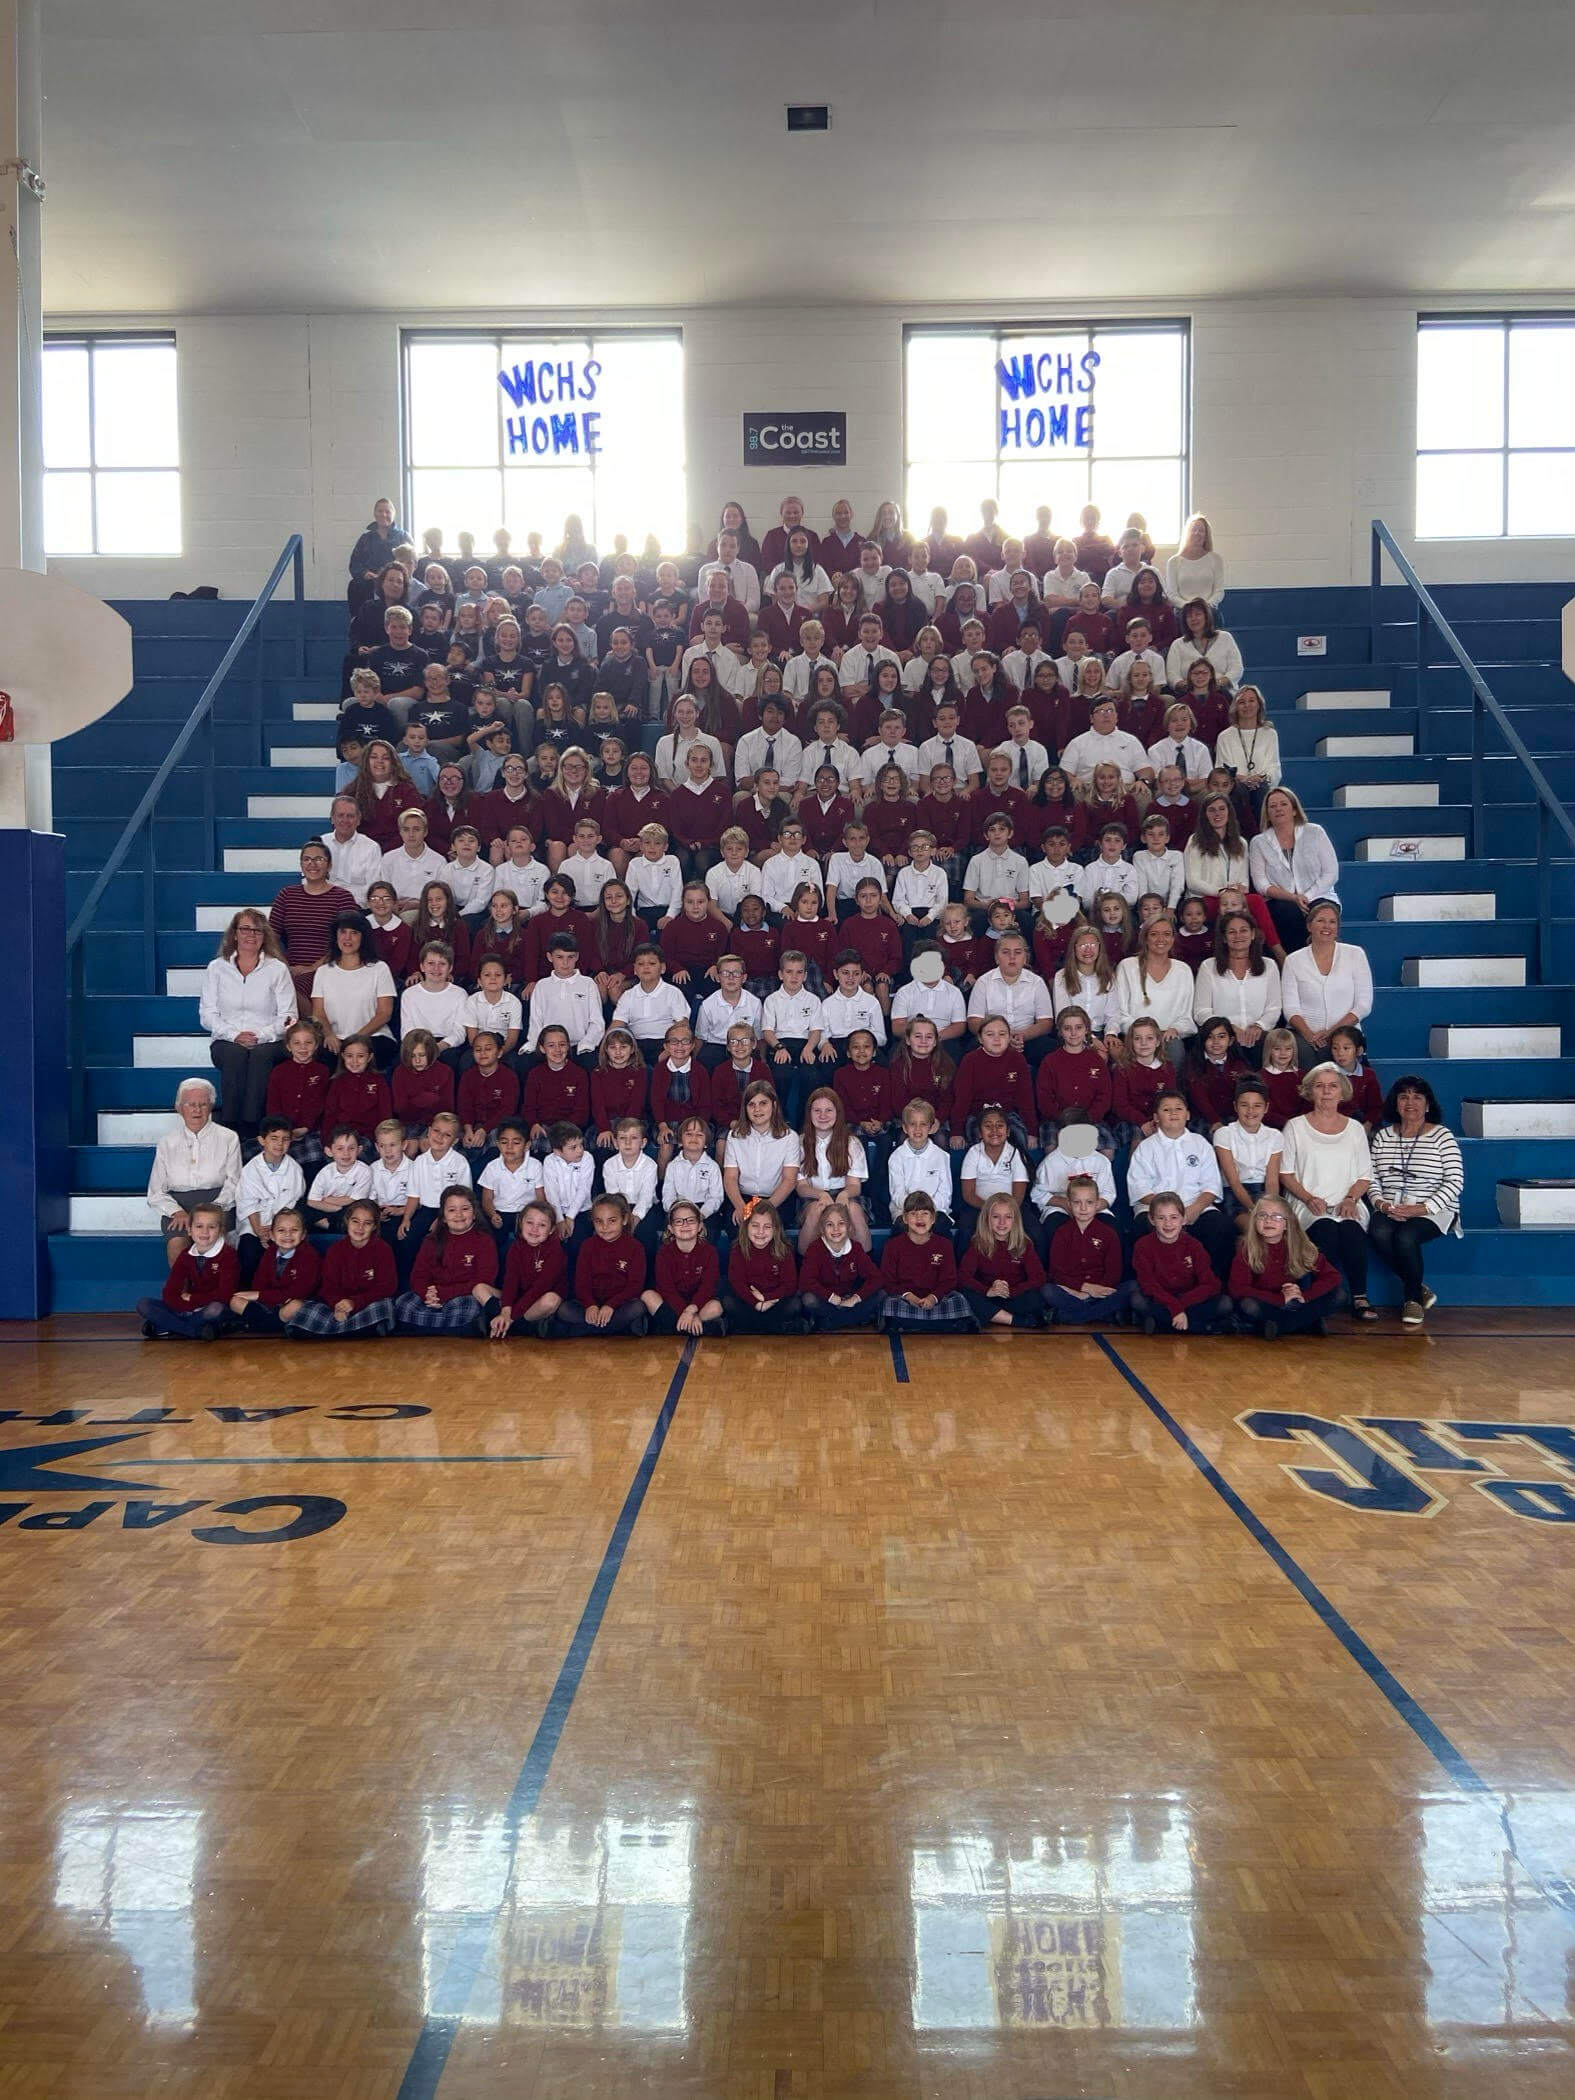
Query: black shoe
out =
(209, 1331)
(149, 1331)
(1271, 1330)
(1150, 1324)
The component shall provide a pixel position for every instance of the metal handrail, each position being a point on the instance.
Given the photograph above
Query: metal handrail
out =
(1550, 810)
(290, 558)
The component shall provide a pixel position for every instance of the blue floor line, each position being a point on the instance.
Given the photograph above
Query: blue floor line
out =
(1558, 1888)
(899, 1359)
(513, 1458)
(430, 2055)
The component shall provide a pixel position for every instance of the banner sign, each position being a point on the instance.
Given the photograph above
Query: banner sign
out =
(1047, 401)
(799, 437)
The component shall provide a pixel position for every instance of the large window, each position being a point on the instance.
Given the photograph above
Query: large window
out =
(520, 430)
(1495, 426)
(1028, 416)
(111, 445)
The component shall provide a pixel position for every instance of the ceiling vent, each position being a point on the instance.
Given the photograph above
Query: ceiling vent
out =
(809, 116)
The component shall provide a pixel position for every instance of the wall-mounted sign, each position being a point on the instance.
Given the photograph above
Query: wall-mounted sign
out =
(811, 437)
(1047, 400)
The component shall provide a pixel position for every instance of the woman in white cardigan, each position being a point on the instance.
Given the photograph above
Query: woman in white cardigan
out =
(1250, 744)
(1239, 982)
(1152, 986)
(247, 1003)
(1195, 570)
(1326, 1169)
(1216, 852)
(1324, 985)
(1292, 863)
(1199, 638)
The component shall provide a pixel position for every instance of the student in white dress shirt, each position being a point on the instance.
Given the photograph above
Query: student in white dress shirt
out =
(1157, 865)
(1109, 870)
(1125, 570)
(1063, 584)
(735, 876)
(743, 579)
(892, 749)
(856, 672)
(829, 747)
(949, 747)
(1180, 747)
(412, 864)
(1030, 761)
(772, 745)
(1103, 743)
(470, 878)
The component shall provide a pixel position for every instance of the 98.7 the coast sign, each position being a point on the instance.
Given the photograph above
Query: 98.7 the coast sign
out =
(811, 437)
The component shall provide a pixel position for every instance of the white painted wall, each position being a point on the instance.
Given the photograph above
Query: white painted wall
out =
(1303, 429)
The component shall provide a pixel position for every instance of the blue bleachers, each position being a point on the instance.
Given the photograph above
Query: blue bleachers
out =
(1512, 630)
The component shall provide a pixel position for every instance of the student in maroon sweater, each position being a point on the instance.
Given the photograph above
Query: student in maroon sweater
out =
(194, 1305)
(920, 1070)
(758, 945)
(1282, 1077)
(286, 1277)
(993, 1075)
(609, 1276)
(1139, 1080)
(486, 1094)
(355, 1292)
(825, 812)
(875, 938)
(686, 1297)
(620, 1086)
(1073, 1083)
(1210, 1072)
(1348, 1050)
(357, 1094)
(535, 1276)
(298, 1090)
(1087, 1279)
(680, 1086)
(558, 1090)
(943, 813)
(1002, 1277)
(453, 1286)
(864, 1089)
(1280, 1282)
(742, 1068)
(762, 1279)
(841, 1286)
(1176, 1290)
(692, 942)
(423, 1086)
(505, 936)
(699, 810)
(919, 1272)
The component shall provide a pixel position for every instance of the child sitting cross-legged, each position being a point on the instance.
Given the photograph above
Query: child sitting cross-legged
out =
(1280, 1282)
(195, 1301)
(920, 1274)
(609, 1276)
(285, 1278)
(686, 1292)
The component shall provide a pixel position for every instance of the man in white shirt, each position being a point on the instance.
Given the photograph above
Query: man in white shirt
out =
(773, 744)
(1011, 989)
(355, 861)
(1103, 743)
(742, 577)
(412, 864)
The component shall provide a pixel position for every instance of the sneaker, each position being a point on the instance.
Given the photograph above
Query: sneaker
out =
(1412, 1314)
(1429, 1299)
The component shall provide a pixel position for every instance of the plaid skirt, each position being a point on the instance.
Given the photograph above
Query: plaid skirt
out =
(308, 1152)
(953, 1307)
(315, 1320)
(458, 1316)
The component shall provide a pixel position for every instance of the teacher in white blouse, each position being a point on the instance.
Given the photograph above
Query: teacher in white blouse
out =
(1239, 983)
(247, 1003)
(1292, 862)
(1153, 986)
(1249, 745)
(1324, 984)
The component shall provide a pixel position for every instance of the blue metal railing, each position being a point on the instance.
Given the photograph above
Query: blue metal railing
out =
(291, 558)
(1552, 817)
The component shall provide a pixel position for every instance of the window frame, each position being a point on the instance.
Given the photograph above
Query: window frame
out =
(1054, 324)
(1504, 322)
(559, 329)
(92, 340)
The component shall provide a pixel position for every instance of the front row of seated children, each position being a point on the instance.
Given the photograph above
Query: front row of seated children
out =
(1278, 1283)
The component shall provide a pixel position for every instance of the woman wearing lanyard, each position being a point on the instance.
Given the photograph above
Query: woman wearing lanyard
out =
(1418, 1180)
(1249, 746)
(1291, 862)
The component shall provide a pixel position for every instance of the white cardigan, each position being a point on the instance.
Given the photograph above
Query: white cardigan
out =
(1311, 868)
(1195, 576)
(1207, 875)
(261, 1002)
(1250, 750)
(1168, 1002)
(1222, 653)
(1321, 1000)
(1248, 1001)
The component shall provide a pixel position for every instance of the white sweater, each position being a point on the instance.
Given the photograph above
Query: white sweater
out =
(1167, 1002)
(1320, 1000)
(1311, 868)
(1195, 576)
(1243, 1001)
(1250, 750)
(1222, 653)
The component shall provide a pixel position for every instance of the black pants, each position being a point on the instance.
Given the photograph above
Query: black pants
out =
(785, 1317)
(243, 1083)
(1296, 1318)
(1026, 1308)
(1289, 923)
(1398, 1243)
(258, 1318)
(830, 1319)
(630, 1318)
(1202, 1318)
(665, 1321)
(1344, 1242)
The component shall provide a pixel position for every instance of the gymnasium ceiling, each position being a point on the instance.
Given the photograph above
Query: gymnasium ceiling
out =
(262, 155)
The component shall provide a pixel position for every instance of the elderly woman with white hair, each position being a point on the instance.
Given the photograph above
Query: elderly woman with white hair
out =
(197, 1162)
(1326, 1169)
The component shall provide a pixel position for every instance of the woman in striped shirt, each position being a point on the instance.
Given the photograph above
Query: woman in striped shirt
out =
(1418, 1179)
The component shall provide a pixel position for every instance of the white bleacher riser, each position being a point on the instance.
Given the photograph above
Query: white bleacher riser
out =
(1517, 1119)
(1406, 794)
(311, 809)
(1415, 848)
(184, 983)
(1385, 746)
(110, 1213)
(1336, 702)
(314, 710)
(1462, 972)
(174, 1053)
(1439, 907)
(262, 860)
(135, 1126)
(213, 918)
(1496, 1039)
(1536, 1203)
(286, 755)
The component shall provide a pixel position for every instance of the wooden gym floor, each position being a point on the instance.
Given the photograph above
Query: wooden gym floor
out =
(986, 1720)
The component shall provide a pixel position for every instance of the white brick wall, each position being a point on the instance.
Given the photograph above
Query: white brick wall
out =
(1303, 427)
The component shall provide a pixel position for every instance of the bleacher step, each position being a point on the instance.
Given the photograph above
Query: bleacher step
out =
(309, 808)
(261, 860)
(1455, 972)
(1421, 847)
(183, 982)
(1517, 1119)
(127, 1212)
(314, 711)
(1377, 794)
(1335, 702)
(170, 1052)
(1366, 747)
(1439, 906)
(1496, 1039)
(288, 755)
(1522, 1203)
(135, 1126)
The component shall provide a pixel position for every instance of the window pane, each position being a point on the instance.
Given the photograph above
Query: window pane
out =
(134, 421)
(1025, 484)
(1541, 388)
(957, 485)
(458, 499)
(1149, 486)
(537, 499)
(1459, 387)
(640, 484)
(1542, 492)
(455, 404)
(1137, 392)
(67, 437)
(1045, 374)
(1459, 495)
(951, 398)
(68, 514)
(138, 513)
